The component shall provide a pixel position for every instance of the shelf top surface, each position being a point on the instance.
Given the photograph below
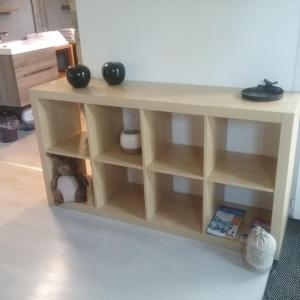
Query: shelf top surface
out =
(165, 96)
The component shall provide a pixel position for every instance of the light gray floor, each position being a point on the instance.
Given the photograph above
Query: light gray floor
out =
(55, 254)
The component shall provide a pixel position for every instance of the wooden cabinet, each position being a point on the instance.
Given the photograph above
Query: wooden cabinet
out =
(204, 162)
(22, 71)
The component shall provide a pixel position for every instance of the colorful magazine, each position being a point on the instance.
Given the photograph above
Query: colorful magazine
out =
(256, 222)
(226, 222)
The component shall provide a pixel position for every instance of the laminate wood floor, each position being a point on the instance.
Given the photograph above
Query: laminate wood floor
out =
(55, 254)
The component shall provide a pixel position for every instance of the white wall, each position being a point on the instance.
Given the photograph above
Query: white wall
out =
(56, 17)
(214, 42)
(208, 42)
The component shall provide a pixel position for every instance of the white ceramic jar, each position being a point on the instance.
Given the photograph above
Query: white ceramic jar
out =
(130, 141)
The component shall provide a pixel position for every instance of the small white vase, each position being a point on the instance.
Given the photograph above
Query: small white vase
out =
(130, 141)
(260, 249)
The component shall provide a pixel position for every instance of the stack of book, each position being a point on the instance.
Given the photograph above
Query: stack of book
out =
(226, 222)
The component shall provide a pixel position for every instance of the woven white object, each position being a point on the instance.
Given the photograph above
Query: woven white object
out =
(260, 249)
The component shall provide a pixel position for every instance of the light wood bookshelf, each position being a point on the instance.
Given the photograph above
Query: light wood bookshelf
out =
(206, 162)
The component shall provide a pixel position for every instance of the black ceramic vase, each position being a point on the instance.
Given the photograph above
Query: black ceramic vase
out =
(78, 76)
(113, 72)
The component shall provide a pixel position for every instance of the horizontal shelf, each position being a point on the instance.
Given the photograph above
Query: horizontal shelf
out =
(5, 11)
(180, 160)
(251, 213)
(245, 170)
(76, 147)
(180, 212)
(116, 156)
(128, 203)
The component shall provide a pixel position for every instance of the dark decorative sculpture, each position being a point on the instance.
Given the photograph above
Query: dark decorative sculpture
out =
(113, 72)
(78, 76)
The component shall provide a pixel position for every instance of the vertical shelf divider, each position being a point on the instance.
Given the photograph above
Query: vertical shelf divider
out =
(215, 132)
(93, 149)
(148, 155)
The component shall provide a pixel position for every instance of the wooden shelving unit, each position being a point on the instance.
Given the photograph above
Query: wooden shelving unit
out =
(141, 189)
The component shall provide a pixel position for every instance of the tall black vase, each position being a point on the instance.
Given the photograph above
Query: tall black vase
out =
(78, 76)
(113, 72)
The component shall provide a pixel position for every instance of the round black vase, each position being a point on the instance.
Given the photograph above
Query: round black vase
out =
(113, 72)
(78, 76)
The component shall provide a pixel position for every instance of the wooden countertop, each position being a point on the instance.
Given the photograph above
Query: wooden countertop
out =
(191, 99)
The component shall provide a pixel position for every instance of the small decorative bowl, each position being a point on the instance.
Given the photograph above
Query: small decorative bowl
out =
(130, 141)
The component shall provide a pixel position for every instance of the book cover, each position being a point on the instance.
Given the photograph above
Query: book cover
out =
(226, 222)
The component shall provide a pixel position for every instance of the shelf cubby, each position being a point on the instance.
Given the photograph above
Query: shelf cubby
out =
(84, 168)
(176, 209)
(105, 125)
(164, 149)
(120, 191)
(255, 203)
(235, 167)
(69, 139)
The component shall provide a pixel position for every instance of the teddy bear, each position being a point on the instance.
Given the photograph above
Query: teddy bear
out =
(67, 184)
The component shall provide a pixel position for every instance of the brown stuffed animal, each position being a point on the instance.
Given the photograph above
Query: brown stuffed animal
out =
(67, 184)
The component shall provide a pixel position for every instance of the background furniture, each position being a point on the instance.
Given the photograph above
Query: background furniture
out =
(19, 72)
(206, 164)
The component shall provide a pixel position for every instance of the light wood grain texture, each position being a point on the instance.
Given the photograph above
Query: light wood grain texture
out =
(116, 156)
(154, 204)
(180, 211)
(161, 154)
(180, 160)
(104, 126)
(128, 202)
(116, 194)
(215, 140)
(59, 121)
(75, 146)
(245, 170)
(22, 71)
(171, 209)
(179, 98)
(157, 186)
(156, 133)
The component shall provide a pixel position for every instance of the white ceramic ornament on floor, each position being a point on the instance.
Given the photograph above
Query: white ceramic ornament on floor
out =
(260, 249)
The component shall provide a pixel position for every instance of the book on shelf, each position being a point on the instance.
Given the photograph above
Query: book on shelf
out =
(266, 225)
(226, 222)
